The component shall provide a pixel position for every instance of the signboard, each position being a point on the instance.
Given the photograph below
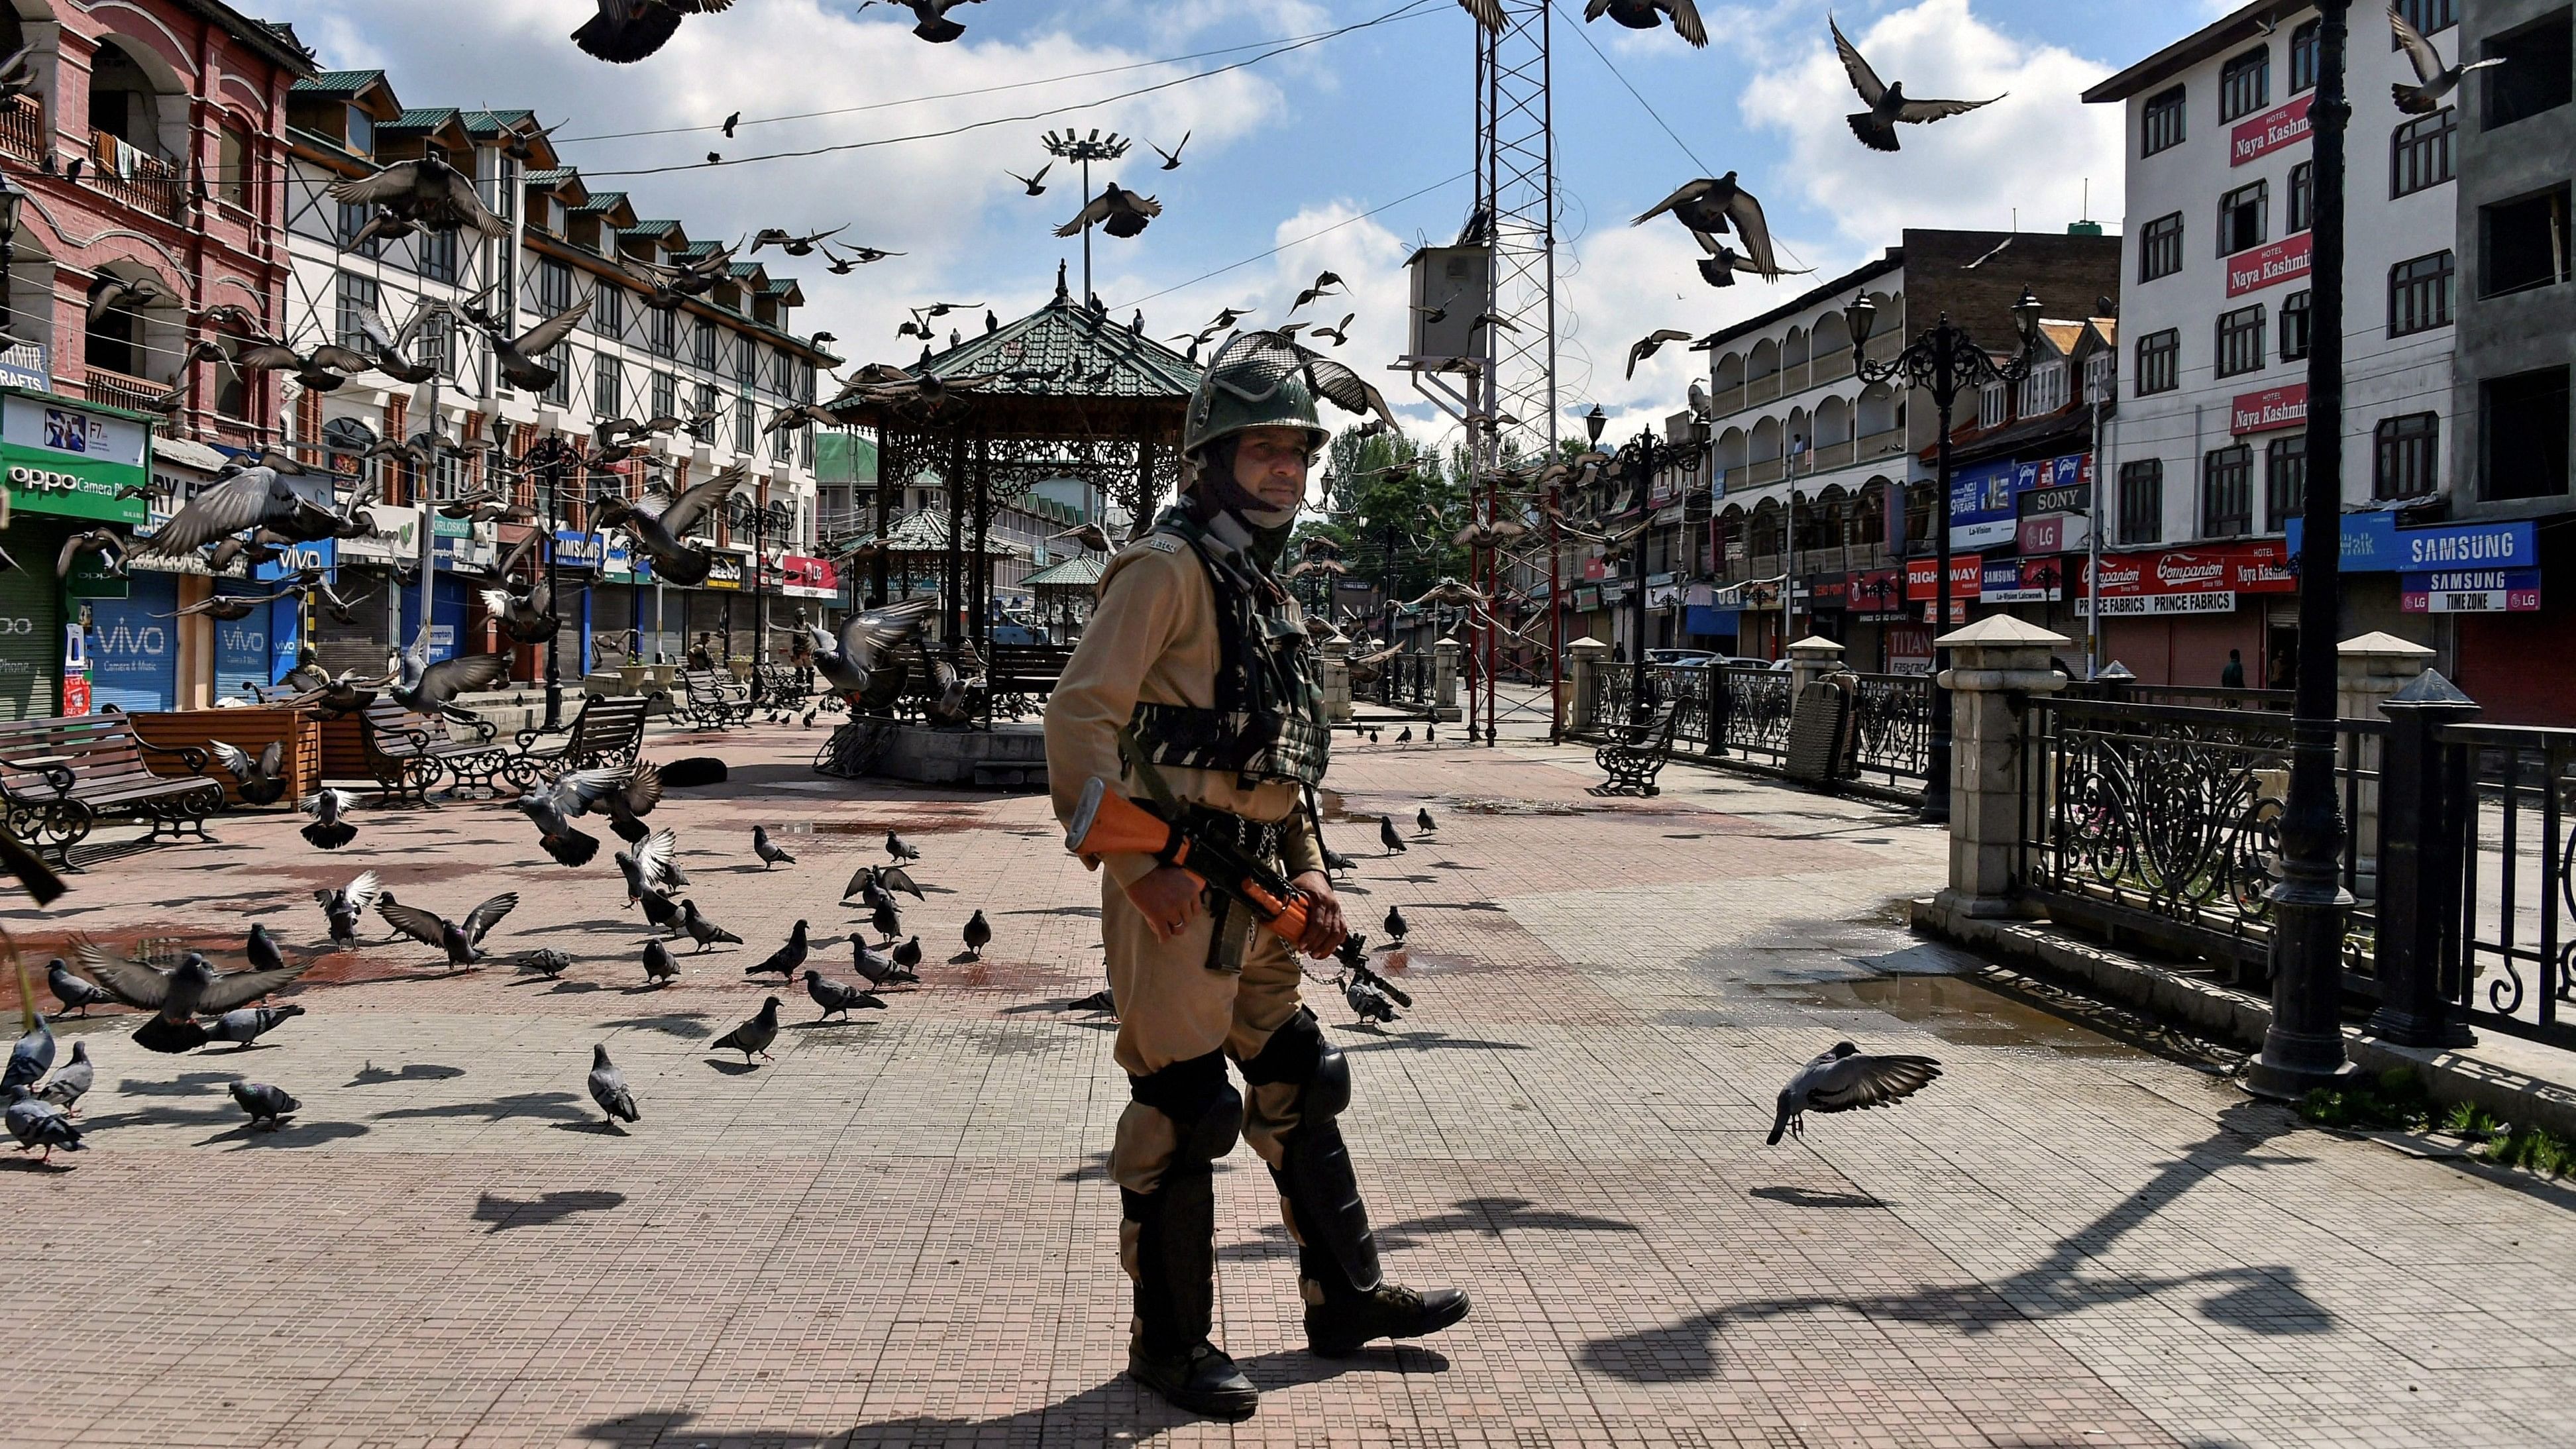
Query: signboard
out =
(2059, 497)
(1875, 594)
(2268, 266)
(1923, 577)
(2470, 591)
(2021, 581)
(2054, 475)
(1981, 504)
(724, 570)
(578, 550)
(2373, 543)
(2281, 126)
(64, 459)
(53, 425)
(1704, 619)
(2055, 533)
(28, 365)
(75, 694)
(1909, 648)
(2190, 581)
(2270, 410)
(294, 558)
(1587, 598)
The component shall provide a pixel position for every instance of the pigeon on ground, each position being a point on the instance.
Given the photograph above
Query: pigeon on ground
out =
(345, 906)
(659, 968)
(979, 934)
(250, 1023)
(1395, 922)
(886, 920)
(2433, 79)
(900, 848)
(652, 865)
(1336, 863)
(836, 999)
(1388, 836)
(178, 995)
(261, 949)
(39, 1123)
(1367, 1002)
(73, 1082)
(769, 854)
(1888, 105)
(608, 1087)
(1843, 1080)
(907, 960)
(554, 807)
(892, 878)
(754, 1036)
(875, 965)
(787, 960)
(462, 941)
(661, 911)
(268, 1106)
(701, 930)
(549, 964)
(74, 992)
(1423, 822)
(258, 782)
(328, 831)
(32, 1057)
(1404, 736)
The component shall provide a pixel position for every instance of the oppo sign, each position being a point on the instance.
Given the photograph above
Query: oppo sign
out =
(42, 480)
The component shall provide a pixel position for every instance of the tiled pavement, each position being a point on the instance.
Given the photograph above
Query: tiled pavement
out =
(899, 1233)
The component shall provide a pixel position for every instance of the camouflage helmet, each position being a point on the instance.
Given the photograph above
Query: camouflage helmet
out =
(1256, 380)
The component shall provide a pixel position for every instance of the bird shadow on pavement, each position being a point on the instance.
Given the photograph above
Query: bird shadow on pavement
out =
(556, 1105)
(2259, 1299)
(690, 1025)
(291, 1134)
(505, 1213)
(1433, 1041)
(1810, 1198)
(371, 1074)
(606, 923)
(1090, 911)
(1490, 1217)
(1118, 1410)
(186, 1084)
(733, 1069)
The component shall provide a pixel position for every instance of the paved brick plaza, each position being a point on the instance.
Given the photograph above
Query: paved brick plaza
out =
(899, 1232)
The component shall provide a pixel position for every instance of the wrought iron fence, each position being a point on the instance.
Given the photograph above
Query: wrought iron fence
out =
(2161, 823)
(1892, 718)
(1405, 682)
(1734, 711)
(1753, 709)
(2509, 961)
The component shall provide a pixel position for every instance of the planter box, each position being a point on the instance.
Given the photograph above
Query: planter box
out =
(251, 729)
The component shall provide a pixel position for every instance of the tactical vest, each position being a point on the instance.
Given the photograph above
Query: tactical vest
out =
(1268, 721)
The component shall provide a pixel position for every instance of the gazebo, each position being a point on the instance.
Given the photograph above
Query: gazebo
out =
(1064, 591)
(1062, 392)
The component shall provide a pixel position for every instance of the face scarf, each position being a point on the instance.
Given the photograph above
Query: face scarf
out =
(1268, 527)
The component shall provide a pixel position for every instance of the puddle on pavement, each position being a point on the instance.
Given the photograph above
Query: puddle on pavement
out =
(1955, 1008)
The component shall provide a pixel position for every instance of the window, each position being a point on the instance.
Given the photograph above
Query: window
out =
(2304, 43)
(782, 374)
(2303, 198)
(554, 287)
(2160, 248)
(2142, 501)
(608, 310)
(605, 387)
(2536, 75)
(706, 404)
(2522, 420)
(559, 391)
(662, 327)
(1991, 411)
(2245, 84)
(666, 395)
(2406, 465)
(2160, 122)
(435, 254)
(746, 427)
(2523, 243)
(746, 365)
(2044, 391)
(702, 350)
(2227, 492)
(2426, 16)
(2241, 215)
(506, 187)
(2285, 479)
(2419, 294)
(355, 297)
(2159, 362)
(362, 131)
(2240, 341)
(2294, 326)
(232, 393)
(2419, 152)
(353, 220)
(233, 162)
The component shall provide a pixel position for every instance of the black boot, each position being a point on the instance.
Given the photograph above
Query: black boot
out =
(1347, 1302)
(1340, 1317)
(1176, 1299)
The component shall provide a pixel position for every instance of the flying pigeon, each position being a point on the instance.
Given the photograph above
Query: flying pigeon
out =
(74, 992)
(345, 906)
(1646, 346)
(837, 999)
(1844, 1080)
(267, 1105)
(787, 960)
(769, 854)
(626, 31)
(554, 807)
(628, 806)
(73, 1082)
(1714, 205)
(2433, 79)
(427, 192)
(608, 1087)
(1648, 14)
(931, 20)
(662, 535)
(462, 941)
(659, 968)
(701, 930)
(178, 995)
(852, 658)
(39, 1123)
(1117, 211)
(650, 866)
(1876, 127)
(979, 934)
(754, 1036)
(1387, 836)
(250, 1023)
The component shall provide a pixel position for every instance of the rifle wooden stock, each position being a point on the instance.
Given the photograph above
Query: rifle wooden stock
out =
(1108, 823)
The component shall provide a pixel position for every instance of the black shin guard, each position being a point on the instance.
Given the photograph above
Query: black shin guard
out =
(1314, 1174)
(1176, 1223)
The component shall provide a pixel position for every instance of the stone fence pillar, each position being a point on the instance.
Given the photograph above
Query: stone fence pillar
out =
(1991, 663)
(1444, 678)
(1584, 659)
(2368, 670)
(1337, 681)
(1810, 659)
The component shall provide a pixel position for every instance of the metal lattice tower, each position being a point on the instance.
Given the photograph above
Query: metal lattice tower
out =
(1516, 192)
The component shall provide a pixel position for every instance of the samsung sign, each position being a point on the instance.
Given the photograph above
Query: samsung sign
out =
(2373, 543)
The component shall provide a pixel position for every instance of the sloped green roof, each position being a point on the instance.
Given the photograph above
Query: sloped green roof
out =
(336, 82)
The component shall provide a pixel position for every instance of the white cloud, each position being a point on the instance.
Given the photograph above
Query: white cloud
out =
(2030, 152)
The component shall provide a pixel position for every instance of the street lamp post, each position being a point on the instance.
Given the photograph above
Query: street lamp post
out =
(1087, 149)
(551, 458)
(1641, 458)
(1943, 361)
(760, 518)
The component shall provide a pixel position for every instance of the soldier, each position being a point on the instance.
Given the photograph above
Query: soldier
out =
(1197, 668)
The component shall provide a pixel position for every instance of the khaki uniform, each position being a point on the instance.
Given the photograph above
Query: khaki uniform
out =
(1154, 638)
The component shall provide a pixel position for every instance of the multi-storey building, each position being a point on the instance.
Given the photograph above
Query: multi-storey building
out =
(2516, 326)
(171, 113)
(2208, 459)
(731, 356)
(1788, 411)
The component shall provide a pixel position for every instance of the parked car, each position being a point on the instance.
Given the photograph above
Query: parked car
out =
(1683, 658)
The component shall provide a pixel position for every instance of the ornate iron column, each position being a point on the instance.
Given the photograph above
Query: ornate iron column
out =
(1643, 455)
(2303, 1049)
(552, 457)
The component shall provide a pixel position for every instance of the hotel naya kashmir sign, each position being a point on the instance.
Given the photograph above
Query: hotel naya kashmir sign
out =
(2279, 126)
(2269, 266)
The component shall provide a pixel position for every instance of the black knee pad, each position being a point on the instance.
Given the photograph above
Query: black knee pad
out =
(1298, 1053)
(1200, 1100)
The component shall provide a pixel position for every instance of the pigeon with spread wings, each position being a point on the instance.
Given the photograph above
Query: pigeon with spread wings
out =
(554, 807)
(1648, 345)
(1115, 210)
(1648, 14)
(432, 688)
(1714, 205)
(2433, 80)
(425, 192)
(1888, 104)
(181, 994)
(626, 31)
(853, 659)
(661, 534)
(517, 356)
(1844, 1079)
(461, 940)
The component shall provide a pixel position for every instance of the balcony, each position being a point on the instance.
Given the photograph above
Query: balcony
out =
(127, 174)
(1831, 456)
(1727, 400)
(117, 389)
(23, 132)
(1879, 445)
(1770, 470)
(1762, 389)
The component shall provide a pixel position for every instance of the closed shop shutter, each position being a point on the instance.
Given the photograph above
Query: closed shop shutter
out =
(360, 643)
(31, 630)
(247, 649)
(134, 645)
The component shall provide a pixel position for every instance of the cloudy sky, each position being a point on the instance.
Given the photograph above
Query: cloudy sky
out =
(1342, 154)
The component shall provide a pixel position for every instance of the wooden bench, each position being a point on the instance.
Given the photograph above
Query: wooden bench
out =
(608, 730)
(60, 776)
(1023, 675)
(712, 701)
(407, 753)
(1635, 758)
